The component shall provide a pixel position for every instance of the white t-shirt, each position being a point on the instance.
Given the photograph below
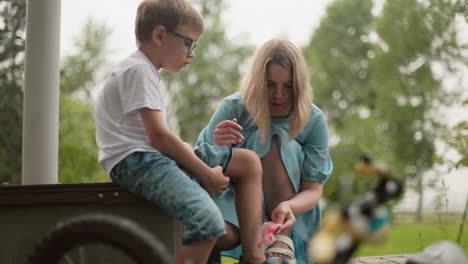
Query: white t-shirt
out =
(133, 85)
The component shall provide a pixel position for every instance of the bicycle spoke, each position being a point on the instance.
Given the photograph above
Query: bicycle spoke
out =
(68, 260)
(82, 255)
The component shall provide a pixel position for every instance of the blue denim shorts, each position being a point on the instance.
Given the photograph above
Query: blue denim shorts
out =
(157, 178)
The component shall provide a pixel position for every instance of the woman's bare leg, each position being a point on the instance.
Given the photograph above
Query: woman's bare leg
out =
(245, 172)
(277, 186)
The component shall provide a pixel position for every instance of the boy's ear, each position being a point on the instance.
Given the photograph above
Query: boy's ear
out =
(159, 34)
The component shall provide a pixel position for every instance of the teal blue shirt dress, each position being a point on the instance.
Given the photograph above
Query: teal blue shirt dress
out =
(305, 157)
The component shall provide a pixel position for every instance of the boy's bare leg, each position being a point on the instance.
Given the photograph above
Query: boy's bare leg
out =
(196, 253)
(230, 240)
(245, 171)
(277, 186)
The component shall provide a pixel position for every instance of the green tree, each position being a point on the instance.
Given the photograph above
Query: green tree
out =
(373, 77)
(80, 71)
(338, 57)
(415, 35)
(12, 30)
(79, 75)
(212, 74)
(457, 138)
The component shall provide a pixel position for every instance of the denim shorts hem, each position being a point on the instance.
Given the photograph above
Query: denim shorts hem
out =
(214, 155)
(191, 240)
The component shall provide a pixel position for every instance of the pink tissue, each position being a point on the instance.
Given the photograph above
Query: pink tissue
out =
(269, 229)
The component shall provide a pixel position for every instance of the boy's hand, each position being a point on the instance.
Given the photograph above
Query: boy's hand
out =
(215, 182)
(227, 133)
(284, 216)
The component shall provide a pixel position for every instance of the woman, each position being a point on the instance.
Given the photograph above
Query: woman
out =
(273, 115)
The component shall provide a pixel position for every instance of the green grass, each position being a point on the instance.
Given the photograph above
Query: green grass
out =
(408, 237)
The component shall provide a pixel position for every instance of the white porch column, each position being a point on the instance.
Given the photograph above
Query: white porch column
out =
(41, 92)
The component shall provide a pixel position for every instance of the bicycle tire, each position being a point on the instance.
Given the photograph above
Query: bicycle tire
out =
(115, 231)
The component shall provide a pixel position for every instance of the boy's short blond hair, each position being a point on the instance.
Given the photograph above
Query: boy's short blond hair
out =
(168, 13)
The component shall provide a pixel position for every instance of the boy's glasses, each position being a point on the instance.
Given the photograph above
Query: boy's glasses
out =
(192, 44)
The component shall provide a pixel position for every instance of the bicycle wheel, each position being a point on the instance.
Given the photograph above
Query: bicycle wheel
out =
(95, 238)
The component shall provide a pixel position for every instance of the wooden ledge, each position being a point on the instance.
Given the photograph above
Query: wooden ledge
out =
(59, 194)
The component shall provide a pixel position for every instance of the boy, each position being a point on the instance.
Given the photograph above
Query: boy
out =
(139, 152)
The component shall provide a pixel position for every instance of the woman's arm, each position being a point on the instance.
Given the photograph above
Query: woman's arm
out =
(307, 198)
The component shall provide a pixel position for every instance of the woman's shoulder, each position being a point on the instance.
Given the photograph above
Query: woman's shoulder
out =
(234, 98)
(316, 114)
(317, 120)
(233, 101)
(316, 124)
(235, 106)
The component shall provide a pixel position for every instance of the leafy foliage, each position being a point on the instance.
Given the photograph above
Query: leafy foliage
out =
(12, 30)
(80, 70)
(373, 76)
(338, 56)
(213, 74)
(415, 36)
(457, 138)
(78, 153)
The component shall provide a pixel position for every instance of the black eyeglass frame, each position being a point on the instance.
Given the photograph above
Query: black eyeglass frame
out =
(193, 44)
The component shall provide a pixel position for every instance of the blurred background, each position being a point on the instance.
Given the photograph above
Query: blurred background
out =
(391, 77)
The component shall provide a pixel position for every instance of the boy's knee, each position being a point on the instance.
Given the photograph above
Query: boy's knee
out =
(230, 240)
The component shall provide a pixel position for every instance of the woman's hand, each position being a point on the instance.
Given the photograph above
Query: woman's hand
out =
(284, 216)
(227, 133)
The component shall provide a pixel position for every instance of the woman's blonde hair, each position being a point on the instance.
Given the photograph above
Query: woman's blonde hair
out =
(254, 89)
(168, 13)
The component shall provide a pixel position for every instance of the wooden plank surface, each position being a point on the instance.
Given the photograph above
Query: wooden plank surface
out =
(389, 259)
(66, 194)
